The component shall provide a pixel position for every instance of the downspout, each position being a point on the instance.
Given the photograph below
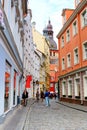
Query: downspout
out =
(80, 56)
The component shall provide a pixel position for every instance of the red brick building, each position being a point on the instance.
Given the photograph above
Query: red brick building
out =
(72, 40)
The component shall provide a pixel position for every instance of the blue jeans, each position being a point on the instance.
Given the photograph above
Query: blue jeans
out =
(47, 101)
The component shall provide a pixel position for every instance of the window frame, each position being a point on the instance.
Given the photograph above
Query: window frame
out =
(75, 27)
(68, 61)
(75, 56)
(84, 52)
(68, 35)
(62, 41)
(83, 24)
(63, 63)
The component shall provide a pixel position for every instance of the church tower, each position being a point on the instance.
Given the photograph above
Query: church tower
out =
(48, 33)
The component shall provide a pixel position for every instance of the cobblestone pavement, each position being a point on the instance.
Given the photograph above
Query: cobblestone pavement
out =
(55, 117)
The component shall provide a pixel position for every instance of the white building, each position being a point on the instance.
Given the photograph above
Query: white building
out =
(11, 53)
(31, 65)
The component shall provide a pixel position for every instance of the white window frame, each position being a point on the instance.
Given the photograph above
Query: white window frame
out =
(85, 85)
(83, 24)
(84, 51)
(68, 35)
(64, 87)
(75, 29)
(76, 61)
(68, 60)
(77, 87)
(69, 87)
(62, 41)
(63, 63)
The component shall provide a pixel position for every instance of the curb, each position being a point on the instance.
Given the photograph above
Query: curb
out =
(71, 107)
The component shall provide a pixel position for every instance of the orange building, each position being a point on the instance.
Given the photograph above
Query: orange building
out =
(72, 40)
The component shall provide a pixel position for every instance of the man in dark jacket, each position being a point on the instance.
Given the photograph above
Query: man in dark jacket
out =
(25, 96)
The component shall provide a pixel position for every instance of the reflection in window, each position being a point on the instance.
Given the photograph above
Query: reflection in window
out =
(7, 87)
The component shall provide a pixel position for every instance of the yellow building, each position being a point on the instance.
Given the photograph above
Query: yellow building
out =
(42, 45)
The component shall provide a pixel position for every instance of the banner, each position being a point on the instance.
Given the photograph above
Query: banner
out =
(28, 80)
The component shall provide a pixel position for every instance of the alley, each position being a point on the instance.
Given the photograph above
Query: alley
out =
(55, 117)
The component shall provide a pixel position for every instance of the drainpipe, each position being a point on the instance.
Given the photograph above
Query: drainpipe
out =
(80, 56)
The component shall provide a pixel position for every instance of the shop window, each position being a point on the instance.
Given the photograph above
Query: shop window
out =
(14, 89)
(69, 88)
(85, 86)
(7, 87)
(63, 89)
(77, 88)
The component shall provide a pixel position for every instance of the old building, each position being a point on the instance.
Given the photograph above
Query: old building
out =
(72, 40)
(42, 45)
(11, 54)
(48, 33)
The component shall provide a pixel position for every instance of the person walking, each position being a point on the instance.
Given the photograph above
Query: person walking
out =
(37, 95)
(42, 95)
(25, 96)
(47, 94)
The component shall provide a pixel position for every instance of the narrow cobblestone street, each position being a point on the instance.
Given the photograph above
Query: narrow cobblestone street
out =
(55, 117)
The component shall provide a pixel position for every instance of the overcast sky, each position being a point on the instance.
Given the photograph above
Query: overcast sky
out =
(43, 10)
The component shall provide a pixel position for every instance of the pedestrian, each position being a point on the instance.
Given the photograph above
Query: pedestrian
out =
(47, 95)
(42, 95)
(25, 96)
(37, 95)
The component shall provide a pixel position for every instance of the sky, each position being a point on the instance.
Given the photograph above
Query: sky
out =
(43, 10)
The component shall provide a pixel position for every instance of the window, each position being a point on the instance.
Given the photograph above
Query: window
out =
(85, 51)
(76, 57)
(7, 91)
(75, 28)
(85, 86)
(77, 88)
(53, 53)
(84, 18)
(64, 89)
(70, 88)
(63, 64)
(50, 53)
(62, 41)
(68, 36)
(68, 60)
